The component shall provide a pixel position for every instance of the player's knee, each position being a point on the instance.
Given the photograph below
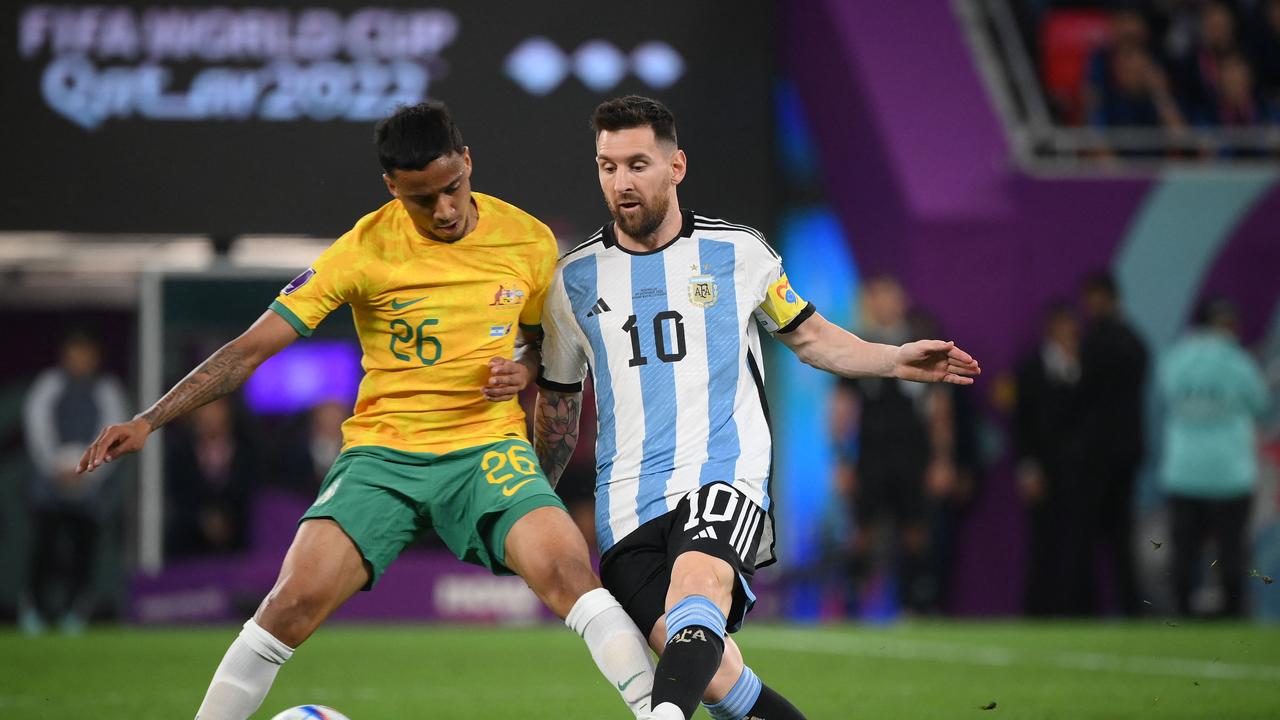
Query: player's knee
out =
(700, 581)
(574, 576)
(292, 613)
(560, 580)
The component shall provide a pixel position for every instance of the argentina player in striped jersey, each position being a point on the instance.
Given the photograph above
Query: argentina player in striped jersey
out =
(659, 305)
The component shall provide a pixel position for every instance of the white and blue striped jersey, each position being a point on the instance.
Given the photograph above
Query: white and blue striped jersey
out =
(669, 338)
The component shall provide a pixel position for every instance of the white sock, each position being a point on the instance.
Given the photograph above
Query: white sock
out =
(616, 645)
(666, 711)
(244, 676)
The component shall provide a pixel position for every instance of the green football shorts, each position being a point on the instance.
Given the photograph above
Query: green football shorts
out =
(385, 498)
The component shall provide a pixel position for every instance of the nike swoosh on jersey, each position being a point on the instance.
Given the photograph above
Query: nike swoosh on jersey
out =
(509, 491)
(402, 305)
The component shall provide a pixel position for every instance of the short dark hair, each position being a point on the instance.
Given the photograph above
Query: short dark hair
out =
(1215, 311)
(635, 111)
(1101, 282)
(81, 335)
(415, 135)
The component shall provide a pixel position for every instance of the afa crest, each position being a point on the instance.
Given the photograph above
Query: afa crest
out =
(703, 291)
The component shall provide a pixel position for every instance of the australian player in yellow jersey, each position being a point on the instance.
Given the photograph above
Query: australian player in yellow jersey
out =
(441, 282)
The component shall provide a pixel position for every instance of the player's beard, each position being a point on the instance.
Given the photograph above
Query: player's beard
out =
(644, 223)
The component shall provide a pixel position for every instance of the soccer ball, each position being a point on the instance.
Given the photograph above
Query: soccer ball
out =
(310, 712)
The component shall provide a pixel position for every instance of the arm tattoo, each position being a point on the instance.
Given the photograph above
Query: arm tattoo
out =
(221, 374)
(555, 427)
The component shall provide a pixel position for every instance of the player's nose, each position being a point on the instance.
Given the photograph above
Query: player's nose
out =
(443, 212)
(622, 182)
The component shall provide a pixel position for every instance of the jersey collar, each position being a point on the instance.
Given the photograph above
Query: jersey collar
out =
(686, 230)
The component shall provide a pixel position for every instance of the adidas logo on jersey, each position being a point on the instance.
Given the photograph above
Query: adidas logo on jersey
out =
(708, 533)
(600, 307)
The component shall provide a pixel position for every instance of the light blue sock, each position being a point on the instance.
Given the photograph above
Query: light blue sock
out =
(741, 698)
(694, 610)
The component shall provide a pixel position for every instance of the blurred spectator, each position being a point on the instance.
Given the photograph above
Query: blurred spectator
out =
(1049, 448)
(1214, 393)
(952, 478)
(63, 411)
(886, 484)
(1134, 92)
(1266, 50)
(1166, 64)
(211, 467)
(1197, 73)
(1113, 375)
(1236, 102)
(312, 448)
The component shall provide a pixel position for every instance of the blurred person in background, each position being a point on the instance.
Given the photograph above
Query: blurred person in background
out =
(1214, 393)
(1113, 377)
(1047, 439)
(1266, 51)
(63, 410)
(212, 465)
(896, 473)
(952, 478)
(1134, 92)
(1197, 72)
(313, 447)
(1236, 101)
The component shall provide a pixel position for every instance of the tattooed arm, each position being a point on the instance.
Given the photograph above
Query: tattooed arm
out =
(555, 428)
(217, 376)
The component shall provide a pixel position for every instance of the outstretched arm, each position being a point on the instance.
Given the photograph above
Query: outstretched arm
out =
(555, 430)
(823, 345)
(219, 375)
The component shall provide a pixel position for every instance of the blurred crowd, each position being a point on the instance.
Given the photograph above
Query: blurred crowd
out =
(910, 462)
(1171, 64)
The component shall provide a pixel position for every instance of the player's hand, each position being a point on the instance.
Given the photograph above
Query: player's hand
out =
(935, 361)
(506, 379)
(113, 442)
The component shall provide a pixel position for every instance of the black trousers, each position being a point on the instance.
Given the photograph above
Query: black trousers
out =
(62, 561)
(1196, 520)
(1114, 528)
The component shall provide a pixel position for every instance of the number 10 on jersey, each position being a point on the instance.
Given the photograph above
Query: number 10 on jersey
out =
(661, 322)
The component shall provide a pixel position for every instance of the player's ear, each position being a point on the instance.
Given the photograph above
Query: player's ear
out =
(391, 185)
(679, 164)
(466, 158)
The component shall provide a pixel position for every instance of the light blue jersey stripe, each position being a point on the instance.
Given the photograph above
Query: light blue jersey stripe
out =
(657, 384)
(580, 282)
(723, 331)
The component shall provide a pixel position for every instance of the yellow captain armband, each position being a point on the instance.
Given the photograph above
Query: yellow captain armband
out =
(783, 309)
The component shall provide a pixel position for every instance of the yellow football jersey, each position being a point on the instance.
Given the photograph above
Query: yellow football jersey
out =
(430, 316)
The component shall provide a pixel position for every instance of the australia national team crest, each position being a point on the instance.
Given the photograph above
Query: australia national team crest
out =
(507, 296)
(703, 290)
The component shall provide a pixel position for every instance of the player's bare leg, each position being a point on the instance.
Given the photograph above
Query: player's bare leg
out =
(546, 549)
(321, 571)
(701, 584)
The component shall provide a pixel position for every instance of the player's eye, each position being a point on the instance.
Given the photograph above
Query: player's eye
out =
(637, 167)
(607, 169)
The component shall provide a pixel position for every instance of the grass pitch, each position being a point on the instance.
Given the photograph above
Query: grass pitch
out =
(923, 670)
